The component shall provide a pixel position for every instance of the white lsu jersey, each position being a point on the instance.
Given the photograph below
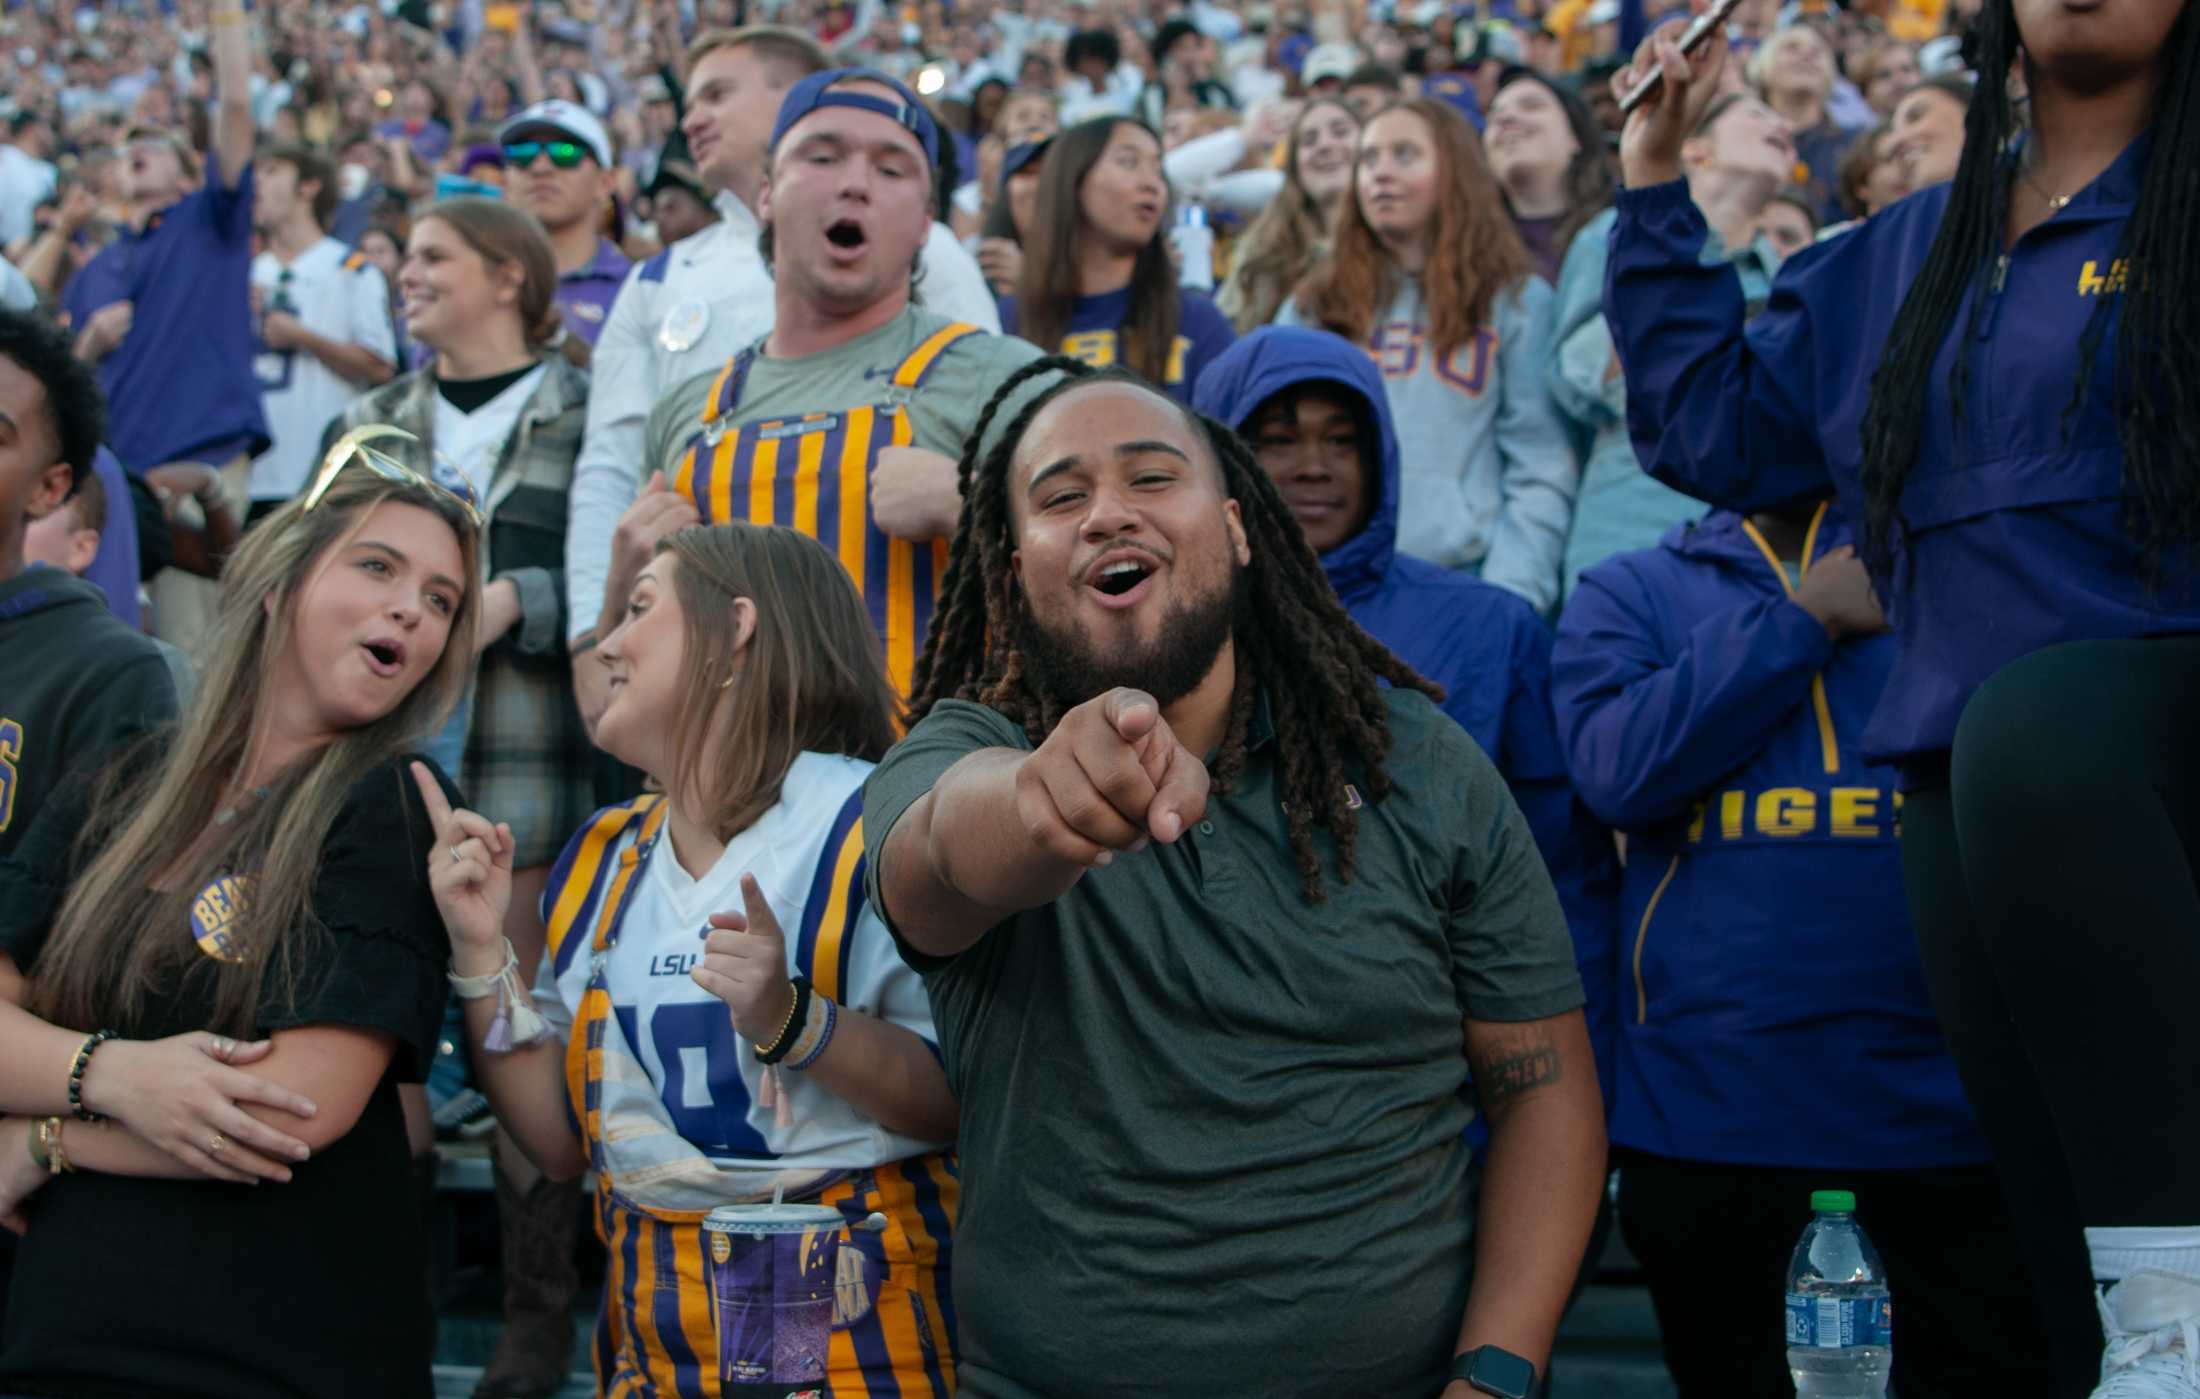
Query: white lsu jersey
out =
(806, 853)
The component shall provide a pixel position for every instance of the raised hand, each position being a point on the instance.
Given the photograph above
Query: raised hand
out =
(1109, 778)
(470, 873)
(1650, 143)
(745, 965)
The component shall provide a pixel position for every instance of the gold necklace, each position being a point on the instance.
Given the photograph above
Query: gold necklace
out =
(2056, 203)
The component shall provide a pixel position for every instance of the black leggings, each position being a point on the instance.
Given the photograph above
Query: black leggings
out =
(2052, 885)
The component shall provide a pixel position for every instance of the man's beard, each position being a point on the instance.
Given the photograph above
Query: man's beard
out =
(1171, 666)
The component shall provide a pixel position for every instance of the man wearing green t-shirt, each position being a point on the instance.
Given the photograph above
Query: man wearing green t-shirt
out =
(843, 422)
(1217, 910)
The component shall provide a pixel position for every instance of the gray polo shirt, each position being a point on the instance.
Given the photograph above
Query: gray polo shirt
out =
(1210, 1132)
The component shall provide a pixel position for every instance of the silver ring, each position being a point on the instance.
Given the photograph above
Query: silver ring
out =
(223, 1045)
(454, 856)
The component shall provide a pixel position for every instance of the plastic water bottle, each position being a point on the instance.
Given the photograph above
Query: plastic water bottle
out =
(1195, 245)
(1840, 1326)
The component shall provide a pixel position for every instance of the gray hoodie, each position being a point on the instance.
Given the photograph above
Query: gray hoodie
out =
(1489, 472)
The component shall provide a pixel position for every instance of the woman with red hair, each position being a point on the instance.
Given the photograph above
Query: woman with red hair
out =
(1428, 272)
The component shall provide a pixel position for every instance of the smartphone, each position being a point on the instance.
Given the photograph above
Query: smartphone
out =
(1698, 30)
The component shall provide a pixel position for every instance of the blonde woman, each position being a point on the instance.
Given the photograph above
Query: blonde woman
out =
(727, 1019)
(246, 911)
(1292, 233)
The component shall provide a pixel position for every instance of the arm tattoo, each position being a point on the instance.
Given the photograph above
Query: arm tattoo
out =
(1506, 1073)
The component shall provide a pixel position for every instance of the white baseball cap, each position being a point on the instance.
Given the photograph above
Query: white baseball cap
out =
(565, 118)
(1337, 61)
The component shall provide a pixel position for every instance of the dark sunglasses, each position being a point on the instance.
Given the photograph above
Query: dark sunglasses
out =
(566, 155)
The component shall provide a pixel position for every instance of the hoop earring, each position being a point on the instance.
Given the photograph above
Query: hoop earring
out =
(727, 683)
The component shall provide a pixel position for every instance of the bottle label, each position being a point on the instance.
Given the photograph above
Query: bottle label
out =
(1837, 1323)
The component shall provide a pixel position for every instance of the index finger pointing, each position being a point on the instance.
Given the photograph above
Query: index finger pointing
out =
(761, 919)
(431, 796)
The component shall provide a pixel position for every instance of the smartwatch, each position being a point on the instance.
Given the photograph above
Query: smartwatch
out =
(1494, 1370)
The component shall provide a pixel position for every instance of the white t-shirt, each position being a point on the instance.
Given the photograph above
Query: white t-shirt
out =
(472, 442)
(335, 293)
(805, 850)
(25, 183)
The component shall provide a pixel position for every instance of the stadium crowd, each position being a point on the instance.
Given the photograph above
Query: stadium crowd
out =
(1231, 673)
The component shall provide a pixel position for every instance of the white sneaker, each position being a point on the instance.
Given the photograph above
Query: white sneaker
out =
(2152, 1321)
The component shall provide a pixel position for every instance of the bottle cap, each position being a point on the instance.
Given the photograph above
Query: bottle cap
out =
(1832, 1202)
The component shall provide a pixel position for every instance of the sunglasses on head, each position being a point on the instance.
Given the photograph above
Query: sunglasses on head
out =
(566, 155)
(352, 449)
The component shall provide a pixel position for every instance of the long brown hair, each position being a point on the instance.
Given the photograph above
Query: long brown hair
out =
(1475, 256)
(1284, 242)
(812, 680)
(502, 233)
(1047, 289)
(112, 945)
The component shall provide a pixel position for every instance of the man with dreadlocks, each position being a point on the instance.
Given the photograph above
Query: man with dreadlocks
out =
(1996, 376)
(1208, 895)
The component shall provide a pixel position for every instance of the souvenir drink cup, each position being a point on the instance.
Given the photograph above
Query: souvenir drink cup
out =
(1840, 1328)
(772, 1270)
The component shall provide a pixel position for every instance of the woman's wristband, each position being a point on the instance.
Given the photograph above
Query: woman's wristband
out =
(76, 1074)
(797, 1014)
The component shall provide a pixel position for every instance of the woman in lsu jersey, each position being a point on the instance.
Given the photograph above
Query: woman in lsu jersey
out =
(728, 1019)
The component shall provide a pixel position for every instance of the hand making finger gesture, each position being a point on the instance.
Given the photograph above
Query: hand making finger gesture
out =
(470, 873)
(1109, 778)
(745, 965)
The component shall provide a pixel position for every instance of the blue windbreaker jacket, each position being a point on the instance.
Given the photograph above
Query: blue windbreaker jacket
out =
(2016, 537)
(1773, 1012)
(1483, 644)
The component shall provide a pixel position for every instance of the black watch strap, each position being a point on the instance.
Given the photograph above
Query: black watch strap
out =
(1495, 1370)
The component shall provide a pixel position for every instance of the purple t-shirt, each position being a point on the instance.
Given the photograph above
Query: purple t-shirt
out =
(428, 143)
(115, 567)
(1202, 333)
(585, 295)
(180, 386)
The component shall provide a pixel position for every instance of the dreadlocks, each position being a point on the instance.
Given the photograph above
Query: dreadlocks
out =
(2157, 345)
(1294, 639)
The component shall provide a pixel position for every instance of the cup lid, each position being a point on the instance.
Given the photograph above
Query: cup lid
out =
(773, 1219)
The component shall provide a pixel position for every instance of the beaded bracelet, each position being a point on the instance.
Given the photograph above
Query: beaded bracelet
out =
(824, 1034)
(76, 1074)
(796, 1014)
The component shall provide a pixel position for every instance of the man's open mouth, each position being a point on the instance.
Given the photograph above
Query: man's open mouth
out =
(847, 234)
(1120, 577)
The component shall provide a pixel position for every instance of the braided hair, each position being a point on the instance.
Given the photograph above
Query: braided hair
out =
(2157, 342)
(1294, 640)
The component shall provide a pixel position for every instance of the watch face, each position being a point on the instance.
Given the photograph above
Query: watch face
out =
(1502, 1373)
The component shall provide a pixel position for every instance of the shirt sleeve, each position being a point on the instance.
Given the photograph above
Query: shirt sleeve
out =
(371, 326)
(953, 285)
(35, 876)
(1717, 408)
(1210, 333)
(1512, 955)
(953, 730)
(1539, 472)
(386, 953)
(608, 473)
(229, 210)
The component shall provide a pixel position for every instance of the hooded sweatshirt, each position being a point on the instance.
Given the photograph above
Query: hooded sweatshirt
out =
(1773, 1012)
(75, 685)
(1489, 469)
(1483, 644)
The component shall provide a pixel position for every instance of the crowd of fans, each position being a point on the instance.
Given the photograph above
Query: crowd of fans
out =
(535, 531)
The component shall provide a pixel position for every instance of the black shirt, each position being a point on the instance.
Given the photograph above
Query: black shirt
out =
(76, 684)
(310, 1290)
